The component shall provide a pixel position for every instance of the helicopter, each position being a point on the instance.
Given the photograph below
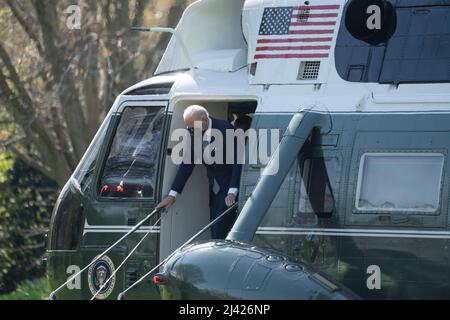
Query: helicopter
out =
(357, 205)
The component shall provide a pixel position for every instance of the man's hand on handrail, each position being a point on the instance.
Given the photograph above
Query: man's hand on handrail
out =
(166, 203)
(230, 200)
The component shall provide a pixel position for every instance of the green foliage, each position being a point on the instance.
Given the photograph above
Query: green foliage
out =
(26, 199)
(57, 84)
(30, 290)
(6, 163)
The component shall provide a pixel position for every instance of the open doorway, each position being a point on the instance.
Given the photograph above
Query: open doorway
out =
(191, 211)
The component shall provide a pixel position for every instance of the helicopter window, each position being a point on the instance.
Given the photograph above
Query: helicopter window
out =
(307, 193)
(130, 170)
(319, 177)
(417, 52)
(399, 182)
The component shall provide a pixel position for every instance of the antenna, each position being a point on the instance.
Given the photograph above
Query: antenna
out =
(177, 36)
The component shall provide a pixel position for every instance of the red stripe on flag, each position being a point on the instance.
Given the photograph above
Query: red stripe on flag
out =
(291, 40)
(293, 48)
(323, 23)
(290, 56)
(323, 7)
(316, 15)
(311, 32)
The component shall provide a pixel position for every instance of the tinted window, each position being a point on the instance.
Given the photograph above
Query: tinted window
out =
(400, 182)
(315, 188)
(130, 170)
(418, 51)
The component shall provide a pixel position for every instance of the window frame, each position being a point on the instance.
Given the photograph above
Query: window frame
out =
(305, 187)
(325, 153)
(100, 138)
(418, 211)
(110, 135)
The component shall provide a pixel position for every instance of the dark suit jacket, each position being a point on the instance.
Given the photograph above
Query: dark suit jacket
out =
(226, 175)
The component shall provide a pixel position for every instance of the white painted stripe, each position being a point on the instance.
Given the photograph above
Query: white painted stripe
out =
(384, 231)
(378, 233)
(119, 231)
(87, 226)
(290, 113)
(118, 228)
(374, 235)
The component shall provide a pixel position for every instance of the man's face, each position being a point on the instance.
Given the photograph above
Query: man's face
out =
(190, 124)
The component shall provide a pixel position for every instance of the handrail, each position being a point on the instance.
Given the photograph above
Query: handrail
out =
(121, 296)
(137, 227)
(125, 260)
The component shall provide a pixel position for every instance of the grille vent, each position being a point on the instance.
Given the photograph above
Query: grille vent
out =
(309, 70)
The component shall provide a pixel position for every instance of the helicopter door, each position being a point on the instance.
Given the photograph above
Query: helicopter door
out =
(126, 190)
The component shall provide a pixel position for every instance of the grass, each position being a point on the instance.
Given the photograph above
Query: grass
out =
(30, 290)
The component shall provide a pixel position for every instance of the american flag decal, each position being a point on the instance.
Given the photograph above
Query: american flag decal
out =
(297, 32)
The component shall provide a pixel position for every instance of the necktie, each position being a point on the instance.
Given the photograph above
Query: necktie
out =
(216, 186)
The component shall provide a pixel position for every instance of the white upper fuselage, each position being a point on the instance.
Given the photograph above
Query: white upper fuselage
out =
(223, 68)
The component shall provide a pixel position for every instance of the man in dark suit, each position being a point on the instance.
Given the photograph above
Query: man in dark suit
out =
(223, 177)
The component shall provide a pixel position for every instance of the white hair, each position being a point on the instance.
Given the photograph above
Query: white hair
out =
(195, 112)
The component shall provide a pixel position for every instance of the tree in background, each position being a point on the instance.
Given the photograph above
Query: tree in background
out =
(57, 83)
(56, 86)
(26, 200)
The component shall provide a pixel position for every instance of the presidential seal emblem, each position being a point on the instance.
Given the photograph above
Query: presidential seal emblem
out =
(98, 274)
